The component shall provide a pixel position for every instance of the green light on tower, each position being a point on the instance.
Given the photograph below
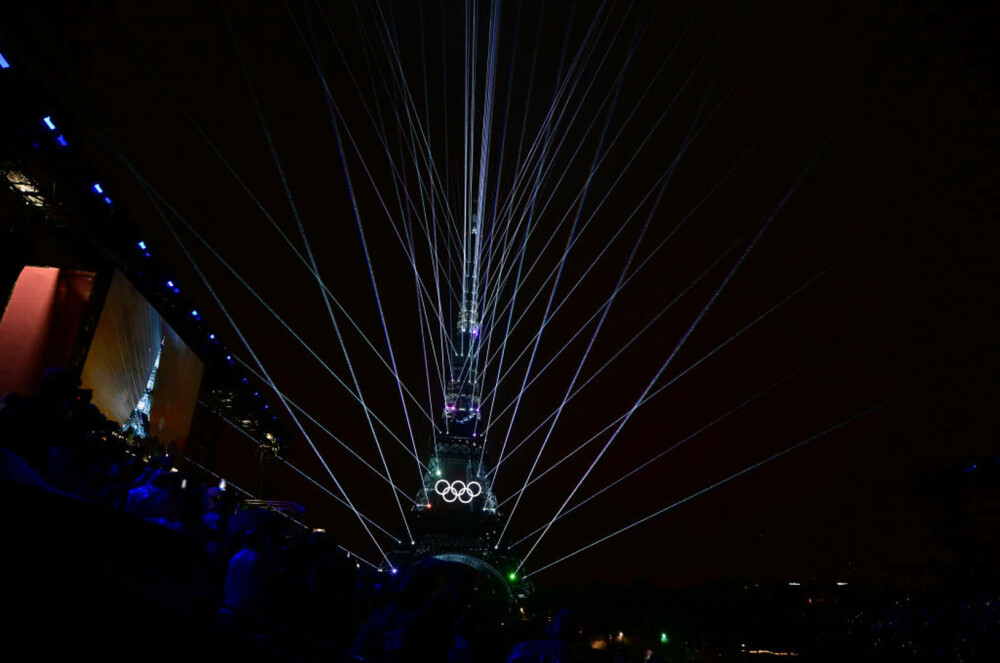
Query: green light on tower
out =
(664, 639)
(512, 576)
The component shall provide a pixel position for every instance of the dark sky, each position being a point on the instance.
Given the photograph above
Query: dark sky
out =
(892, 107)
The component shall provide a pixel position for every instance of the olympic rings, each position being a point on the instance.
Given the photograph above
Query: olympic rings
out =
(458, 490)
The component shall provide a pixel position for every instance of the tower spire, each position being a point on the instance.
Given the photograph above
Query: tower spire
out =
(461, 411)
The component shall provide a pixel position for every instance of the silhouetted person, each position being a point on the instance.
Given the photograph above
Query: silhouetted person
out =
(249, 578)
(559, 648)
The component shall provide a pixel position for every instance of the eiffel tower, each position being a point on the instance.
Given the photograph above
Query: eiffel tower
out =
(456, 518)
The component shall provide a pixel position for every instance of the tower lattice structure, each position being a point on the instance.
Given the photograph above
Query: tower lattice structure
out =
(456, 517)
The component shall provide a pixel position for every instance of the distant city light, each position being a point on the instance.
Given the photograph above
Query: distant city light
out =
(794, 584)
(3, 62)
(48, 122)
(841, 584)
(97, 188)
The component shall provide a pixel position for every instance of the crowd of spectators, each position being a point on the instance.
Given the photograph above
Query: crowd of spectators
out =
(268, 575)
(270, 579)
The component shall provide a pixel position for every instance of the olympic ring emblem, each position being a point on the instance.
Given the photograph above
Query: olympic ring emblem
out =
(458, 490)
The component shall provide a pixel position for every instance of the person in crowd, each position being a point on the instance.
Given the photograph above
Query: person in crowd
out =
(250, 578)
(562, 645)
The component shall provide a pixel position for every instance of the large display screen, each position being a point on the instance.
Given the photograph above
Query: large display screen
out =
(135, 358)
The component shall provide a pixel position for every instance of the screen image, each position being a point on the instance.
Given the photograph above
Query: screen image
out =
(141, 372)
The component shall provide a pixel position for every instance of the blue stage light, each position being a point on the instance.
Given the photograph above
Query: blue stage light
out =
(107, 200)
(3, 62)
(48, 122)
(97, 188)
(211, 337)
(194, 313)
(62, 140)
(142, 245)
(170, 284)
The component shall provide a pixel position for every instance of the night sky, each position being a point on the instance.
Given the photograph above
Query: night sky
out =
(882, 120)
